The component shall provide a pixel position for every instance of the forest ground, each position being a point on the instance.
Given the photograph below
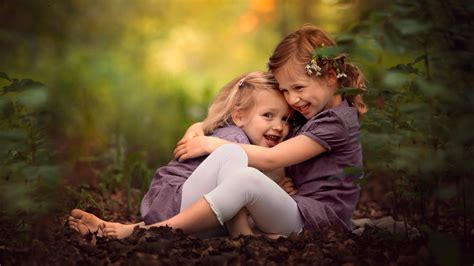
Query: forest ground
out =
(372, 243)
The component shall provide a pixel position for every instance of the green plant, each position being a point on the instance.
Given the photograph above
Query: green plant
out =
(417, 133)
(29, 174)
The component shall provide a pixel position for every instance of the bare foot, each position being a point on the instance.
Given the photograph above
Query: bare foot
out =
(118, 230)
(84, 222)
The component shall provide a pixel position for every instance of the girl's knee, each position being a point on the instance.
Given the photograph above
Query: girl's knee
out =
(231, 150)
(252, 178)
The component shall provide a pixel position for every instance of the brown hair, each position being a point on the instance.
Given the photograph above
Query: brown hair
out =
(236, 95)
(297, 50)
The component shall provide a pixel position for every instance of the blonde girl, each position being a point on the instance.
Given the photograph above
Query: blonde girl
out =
(249, 109)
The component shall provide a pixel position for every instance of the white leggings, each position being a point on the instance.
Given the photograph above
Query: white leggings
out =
(229, 185)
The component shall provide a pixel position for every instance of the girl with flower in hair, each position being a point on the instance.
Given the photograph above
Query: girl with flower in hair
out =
(249, 109)
(323, 155)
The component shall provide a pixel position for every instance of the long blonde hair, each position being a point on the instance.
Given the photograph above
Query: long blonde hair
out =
(236, 95)
(297, 49)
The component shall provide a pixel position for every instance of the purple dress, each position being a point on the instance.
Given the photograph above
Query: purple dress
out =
(163, 199)
(327, 194)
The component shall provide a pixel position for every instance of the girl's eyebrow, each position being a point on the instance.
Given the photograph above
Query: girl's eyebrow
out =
(271, 109)
(293, 85)
(274, 110)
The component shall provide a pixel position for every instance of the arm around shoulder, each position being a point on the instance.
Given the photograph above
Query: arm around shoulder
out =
(197, 146)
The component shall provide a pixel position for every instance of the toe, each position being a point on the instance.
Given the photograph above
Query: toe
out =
(76, 213)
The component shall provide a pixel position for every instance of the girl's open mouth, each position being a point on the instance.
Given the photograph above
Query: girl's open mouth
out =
(302, 109)
(272, 140)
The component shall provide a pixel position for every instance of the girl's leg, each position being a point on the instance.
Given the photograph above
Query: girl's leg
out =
(239, 224)
(201, 181)
(271, 208)
(194, 219)
(225, 159)
(204, 179)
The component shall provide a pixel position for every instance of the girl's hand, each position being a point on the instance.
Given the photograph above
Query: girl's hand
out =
(288, 186)
(195, 130)
(195, 147)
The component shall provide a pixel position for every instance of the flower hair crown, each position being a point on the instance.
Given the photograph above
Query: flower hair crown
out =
(323, 56)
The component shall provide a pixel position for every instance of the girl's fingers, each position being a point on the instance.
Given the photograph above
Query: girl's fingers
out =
(288, 185)
(179, 147)
(283, 180)
(176, 150)
(179, 154)
(183, 157)
(293, 192)
(179, 151)
(182, 141)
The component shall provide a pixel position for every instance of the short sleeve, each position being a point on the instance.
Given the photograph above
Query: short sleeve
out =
(327, 129)
(237, 138)
(232, 133)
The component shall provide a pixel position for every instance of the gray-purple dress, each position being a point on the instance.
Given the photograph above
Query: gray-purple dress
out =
(327, 194)
(163, 199)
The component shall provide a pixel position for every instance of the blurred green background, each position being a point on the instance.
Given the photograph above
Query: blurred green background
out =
(128, 78)
(124, 79)
(140, 72)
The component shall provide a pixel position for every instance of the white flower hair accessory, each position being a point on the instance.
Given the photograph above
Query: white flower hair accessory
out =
(323, 56)
(313, 67)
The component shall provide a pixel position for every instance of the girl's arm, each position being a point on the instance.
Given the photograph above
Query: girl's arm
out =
(286, 153)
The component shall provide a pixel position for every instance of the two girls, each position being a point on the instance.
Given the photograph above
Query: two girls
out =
(315, 156)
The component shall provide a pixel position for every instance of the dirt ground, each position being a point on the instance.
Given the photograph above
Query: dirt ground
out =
(372, 243)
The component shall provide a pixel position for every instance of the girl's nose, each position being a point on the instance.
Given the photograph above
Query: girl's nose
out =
(293, 98)
(278, 125)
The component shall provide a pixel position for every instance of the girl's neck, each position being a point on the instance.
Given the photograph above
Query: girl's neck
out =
(334, 102)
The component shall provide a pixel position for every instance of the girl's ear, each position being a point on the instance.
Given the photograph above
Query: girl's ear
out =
(238, 117)
(331, 78)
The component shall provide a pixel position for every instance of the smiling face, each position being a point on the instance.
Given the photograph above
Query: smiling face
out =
(308, 95)
(266, 123)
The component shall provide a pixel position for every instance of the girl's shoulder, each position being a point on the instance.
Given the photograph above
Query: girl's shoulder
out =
(343, 114)
(331, 125)
(335, 121)
(231, 133)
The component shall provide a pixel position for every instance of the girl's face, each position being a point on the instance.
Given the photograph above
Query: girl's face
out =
(266, 124)
(307, 94)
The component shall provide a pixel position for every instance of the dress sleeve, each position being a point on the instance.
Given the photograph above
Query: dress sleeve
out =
(328, 130)
(237, 138)
(232, 133)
